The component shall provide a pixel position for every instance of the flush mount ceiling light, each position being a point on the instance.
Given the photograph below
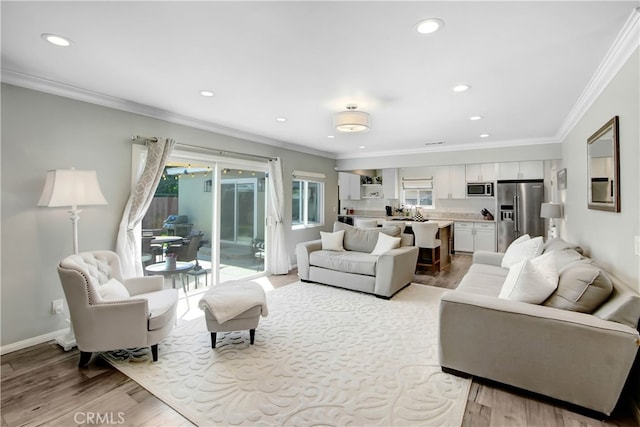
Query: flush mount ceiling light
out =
(352, 121)
(206, 93)
(484, 135)
(56, 39)
(281, 119)
(429, 26)
(474, 118)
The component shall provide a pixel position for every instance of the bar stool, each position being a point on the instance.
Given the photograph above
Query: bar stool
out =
(425, 238)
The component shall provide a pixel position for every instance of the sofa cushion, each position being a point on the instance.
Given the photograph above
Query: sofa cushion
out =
(522, 248)
(348, 261)
(582, 287)
(557, 244)
(332, 241)
(385, 243)
(161, 306)
(483, 279)
(360, 240)
(531, 281)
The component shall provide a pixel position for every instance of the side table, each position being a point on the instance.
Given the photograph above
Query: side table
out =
(161, 269)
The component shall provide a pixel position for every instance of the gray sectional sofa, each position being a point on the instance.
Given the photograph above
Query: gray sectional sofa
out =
(583, 358)
(355, 267)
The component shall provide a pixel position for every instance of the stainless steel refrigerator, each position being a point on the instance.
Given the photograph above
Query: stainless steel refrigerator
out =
(519, 210)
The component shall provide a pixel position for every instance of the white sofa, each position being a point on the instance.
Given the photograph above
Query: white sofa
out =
(356, 268)
(583, 358)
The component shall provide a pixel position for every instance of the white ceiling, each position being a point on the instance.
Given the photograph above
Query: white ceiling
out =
(527, 62)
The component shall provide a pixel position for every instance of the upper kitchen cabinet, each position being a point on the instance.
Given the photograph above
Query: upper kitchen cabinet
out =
(390, 183)
(480, 172)
(521, 170)
(450, 182)
(349, 186)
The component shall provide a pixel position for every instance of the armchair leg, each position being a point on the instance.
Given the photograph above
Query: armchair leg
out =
(252, 335)
(154, 352)
(213, 340)
(85, 356)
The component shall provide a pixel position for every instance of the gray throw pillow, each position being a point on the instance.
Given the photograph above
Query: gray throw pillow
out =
(557, 244)
(360, 240)
(582, 287)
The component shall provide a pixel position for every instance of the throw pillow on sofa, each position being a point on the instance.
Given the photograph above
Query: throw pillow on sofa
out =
(531, 281)
(361, 240)
(523, 248)
(385, 243)
(332, 241)
(582, 287)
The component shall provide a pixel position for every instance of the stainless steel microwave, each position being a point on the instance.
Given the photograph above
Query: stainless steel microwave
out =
(480, 189)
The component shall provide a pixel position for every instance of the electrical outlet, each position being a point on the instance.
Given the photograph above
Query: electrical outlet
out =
(56, 306)
(636, 240)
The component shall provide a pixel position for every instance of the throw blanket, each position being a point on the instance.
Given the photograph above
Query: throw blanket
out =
(229, 299)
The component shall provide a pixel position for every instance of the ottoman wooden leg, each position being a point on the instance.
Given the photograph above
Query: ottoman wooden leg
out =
(252, 335)
(213, 340)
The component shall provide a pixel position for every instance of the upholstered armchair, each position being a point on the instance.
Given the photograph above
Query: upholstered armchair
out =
(109, 312)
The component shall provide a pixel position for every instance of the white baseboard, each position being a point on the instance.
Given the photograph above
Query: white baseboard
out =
(32, 341)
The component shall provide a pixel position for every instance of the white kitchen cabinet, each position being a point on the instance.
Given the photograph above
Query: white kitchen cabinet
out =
(463, 236)
(450, 182)
(474, 236)
(349, 186)
(521, 170)
(480, 172)
(390, 183)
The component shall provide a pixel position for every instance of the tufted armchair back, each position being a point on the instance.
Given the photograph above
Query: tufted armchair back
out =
(87, 271)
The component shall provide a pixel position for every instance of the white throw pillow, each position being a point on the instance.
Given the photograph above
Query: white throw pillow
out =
(332, 241)
(385, 243)
(531, 281)
(113, 290)
(521, 249)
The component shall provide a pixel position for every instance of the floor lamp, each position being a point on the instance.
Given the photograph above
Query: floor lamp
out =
(71, 188)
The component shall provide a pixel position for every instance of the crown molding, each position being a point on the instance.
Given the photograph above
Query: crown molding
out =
(621, 50)
(461, 147)
(72, 92)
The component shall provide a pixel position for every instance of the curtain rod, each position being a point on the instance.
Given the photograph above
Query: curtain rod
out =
(215, 150)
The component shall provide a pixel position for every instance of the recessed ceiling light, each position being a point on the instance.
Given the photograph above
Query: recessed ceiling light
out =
(281, 119)
(331, 136)
(56, 40)
(484, 135)
(363, 146)
(429, 26)
(475, 118)
(461, 87)
(207, 93)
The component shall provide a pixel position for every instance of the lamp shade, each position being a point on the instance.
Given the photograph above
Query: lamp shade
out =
(351, 121)
(71, 187)
(551, 210)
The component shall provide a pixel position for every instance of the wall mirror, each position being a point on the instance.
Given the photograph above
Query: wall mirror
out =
(603, 169)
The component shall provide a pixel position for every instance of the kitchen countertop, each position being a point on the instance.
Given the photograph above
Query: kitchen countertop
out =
(409, 219)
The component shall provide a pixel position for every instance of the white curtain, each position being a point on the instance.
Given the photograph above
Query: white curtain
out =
(279, 262)
(128, 245)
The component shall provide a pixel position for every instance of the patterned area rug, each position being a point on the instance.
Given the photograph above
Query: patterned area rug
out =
(323, 356)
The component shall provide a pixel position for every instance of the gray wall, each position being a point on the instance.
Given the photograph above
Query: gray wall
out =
(607, 236)
(42, 132)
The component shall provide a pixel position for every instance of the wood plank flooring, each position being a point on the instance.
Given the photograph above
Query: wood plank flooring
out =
(42, 385)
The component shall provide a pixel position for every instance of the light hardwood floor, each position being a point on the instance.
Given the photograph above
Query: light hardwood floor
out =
(42, 385)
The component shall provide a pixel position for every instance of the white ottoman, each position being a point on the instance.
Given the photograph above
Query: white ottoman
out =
(233, 306)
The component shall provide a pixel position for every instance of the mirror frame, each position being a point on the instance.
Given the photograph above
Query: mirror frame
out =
(613, 206)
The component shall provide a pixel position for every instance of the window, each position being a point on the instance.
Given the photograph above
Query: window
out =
(307, 200)
(418, 192)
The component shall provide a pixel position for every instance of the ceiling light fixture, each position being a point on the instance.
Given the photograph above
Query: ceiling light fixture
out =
(484, 135)
(352, 121)
(462, 87)
(474, 118)
(206, 93)
(281, 119)
(331, 136)
(429, 26)
(363, 146)
(56, 40)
